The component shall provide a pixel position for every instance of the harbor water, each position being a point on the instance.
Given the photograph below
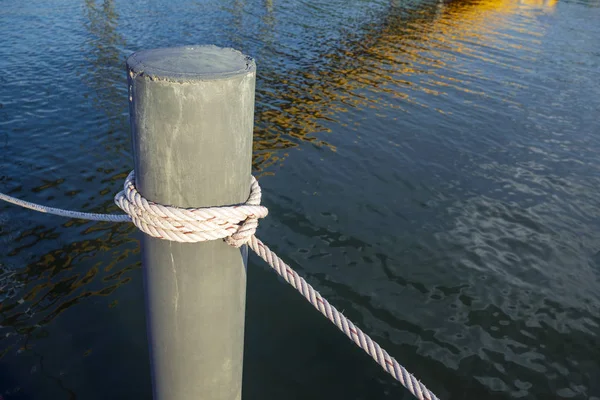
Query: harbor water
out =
(431, 167)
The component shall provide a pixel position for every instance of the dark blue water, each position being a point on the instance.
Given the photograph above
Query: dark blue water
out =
(430, 166)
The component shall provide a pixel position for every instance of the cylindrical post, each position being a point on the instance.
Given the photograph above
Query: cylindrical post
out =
(192, 111)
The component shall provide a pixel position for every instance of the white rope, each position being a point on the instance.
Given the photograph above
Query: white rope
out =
(361, 339)
(65, 213)
(236, 225)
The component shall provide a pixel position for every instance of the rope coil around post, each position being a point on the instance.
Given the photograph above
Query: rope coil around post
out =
(236, 225)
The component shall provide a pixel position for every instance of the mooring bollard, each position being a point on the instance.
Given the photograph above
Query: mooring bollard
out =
(192, 115)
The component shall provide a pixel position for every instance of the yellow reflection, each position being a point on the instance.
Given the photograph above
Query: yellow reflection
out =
(405, 56)
(547, 5)
(95, 265)
(56, 281)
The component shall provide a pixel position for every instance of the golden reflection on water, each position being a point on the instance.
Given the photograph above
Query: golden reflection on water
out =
(95, 265)
(546, 5)
(404, 56)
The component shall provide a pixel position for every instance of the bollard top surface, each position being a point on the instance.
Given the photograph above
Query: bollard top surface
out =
(190, 63)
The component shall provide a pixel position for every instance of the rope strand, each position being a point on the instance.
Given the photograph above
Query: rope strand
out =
(65, 213)
(362, 340)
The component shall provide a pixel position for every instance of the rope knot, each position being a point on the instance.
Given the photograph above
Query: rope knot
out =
(236, 224)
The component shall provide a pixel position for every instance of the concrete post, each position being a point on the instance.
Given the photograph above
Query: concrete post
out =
(192, 112)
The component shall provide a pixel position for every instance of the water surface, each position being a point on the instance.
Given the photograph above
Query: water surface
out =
(429, 166)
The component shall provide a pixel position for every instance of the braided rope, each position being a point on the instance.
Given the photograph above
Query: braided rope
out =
(236, 225)
(65, 213)
(362, 340)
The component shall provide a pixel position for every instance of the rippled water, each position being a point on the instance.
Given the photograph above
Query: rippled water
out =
(431, 167)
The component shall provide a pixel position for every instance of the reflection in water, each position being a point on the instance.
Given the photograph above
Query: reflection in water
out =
(400, 56)
(34, 295)
(105, 70)
(65, 276)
